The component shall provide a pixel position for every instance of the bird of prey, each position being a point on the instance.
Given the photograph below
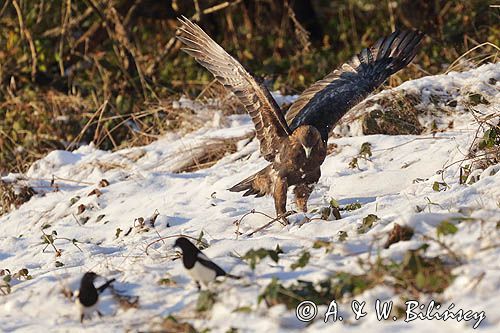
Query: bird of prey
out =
(199, 267)
(88, 295)
(296, 145)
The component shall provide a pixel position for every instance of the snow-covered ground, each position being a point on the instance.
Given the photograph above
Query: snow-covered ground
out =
(141, 183)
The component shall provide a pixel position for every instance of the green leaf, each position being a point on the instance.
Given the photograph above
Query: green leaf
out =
(274, 256)
(477, 98)
(243, 309)
(354, 163)
(325, 213)
(206, 301)
(320, 243)
(439, 186)
(420, 280)
(351, 206)
(167, 282)
(302, 261)
(84, 219)
(366, 150)
(367, 223)
(446, 228)
(334, 203)
(74, 200)
(255, 256)
(201, 243)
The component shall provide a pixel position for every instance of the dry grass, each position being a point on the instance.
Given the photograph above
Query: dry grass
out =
(397, 115)
(207, 154)
(13, 195)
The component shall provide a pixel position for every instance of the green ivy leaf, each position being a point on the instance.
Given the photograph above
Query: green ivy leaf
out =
(446, 228)
(302, 261)
(368, 222)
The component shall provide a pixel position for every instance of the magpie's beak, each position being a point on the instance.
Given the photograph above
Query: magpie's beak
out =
(307, 150)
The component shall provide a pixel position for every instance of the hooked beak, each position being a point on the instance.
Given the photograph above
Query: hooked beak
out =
(307, 150)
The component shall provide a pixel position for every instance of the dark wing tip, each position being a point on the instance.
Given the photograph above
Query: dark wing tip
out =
(399, 48)
(353, 81)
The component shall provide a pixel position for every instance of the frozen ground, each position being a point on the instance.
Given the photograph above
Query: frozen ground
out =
(141, 182)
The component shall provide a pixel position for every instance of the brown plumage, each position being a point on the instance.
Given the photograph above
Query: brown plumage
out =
(297, 148)
(297, 164)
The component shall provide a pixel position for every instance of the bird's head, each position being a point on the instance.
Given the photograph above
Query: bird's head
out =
(308, 137)
(183, 243)
(89, 277)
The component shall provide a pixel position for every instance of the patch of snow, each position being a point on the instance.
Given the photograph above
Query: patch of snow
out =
(391, 184)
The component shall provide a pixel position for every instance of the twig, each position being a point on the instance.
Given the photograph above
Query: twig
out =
(412, 140)
(451, 67)
(27, 33)
(220, 6)
(87, 125)
(455, 256)
(197, 16)
(64, 25)
(238, 222)
(489, 247)
(76, 220)
(49, 242)
(284, 215)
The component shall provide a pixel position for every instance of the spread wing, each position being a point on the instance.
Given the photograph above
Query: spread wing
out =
(270, 124)
(326, 101)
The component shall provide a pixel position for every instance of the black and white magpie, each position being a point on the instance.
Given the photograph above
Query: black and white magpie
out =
(199, 267)
(88, 295)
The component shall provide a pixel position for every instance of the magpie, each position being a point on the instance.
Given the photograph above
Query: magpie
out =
(88, 295)
(199, 267)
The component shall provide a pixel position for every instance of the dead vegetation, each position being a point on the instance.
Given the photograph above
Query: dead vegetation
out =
(414, 276)
(396, 115)
(398, 233)
(75, 72)
(484, 151)
(7, 277)
(13, 195)
(172, 324)
(413, 112)
(208, 153)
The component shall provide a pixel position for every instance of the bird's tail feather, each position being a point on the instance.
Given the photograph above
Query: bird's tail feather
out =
(257, 184)
(106, 285)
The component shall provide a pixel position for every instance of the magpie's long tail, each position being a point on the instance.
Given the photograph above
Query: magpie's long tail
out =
(106, 285)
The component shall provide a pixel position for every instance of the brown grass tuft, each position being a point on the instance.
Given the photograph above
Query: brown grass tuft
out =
(207, 154)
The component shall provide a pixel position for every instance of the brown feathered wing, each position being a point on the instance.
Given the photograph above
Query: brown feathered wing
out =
(270, 124)
(326, 101)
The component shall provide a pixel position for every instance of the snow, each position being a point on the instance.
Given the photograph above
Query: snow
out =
(142, 182)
